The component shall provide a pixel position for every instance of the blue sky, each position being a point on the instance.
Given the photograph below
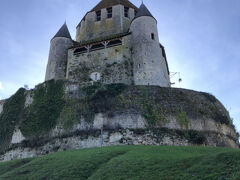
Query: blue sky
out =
(201, 38)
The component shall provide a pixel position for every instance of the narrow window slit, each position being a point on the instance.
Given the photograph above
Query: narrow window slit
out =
(98, 15)
(109, 12)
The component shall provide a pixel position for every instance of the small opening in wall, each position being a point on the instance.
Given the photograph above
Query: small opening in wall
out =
(80, 51)
(97, 47)
(114, 43)
(139, 65)
(109, 12)
(98, 15)
(126, 10)
(153, 36)
(135, 12)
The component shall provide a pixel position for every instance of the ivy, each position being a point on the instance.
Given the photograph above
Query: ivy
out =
(182, 119)
(152, 113)
(98, 91)
(41, 116)
(10, 117)
(69, 115)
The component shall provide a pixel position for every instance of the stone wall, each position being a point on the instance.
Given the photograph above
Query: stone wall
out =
(186, 118)
(149, 64)
(57, 60)
(1, 106)
(17, 137)
(112, 65)
(92, 139)
(90, 29)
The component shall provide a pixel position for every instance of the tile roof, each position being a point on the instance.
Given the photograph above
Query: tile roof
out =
(63, 32)
(143, 11)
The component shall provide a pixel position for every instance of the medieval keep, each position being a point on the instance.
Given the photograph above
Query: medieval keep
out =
(116, 42)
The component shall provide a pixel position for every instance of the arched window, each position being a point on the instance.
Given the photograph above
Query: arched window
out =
(80, 51)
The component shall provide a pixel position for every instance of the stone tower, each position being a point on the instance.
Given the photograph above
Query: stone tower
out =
(150, 65)
(57, 60)
(108, 17)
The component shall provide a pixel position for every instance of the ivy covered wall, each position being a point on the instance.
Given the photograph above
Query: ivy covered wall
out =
(54, 105)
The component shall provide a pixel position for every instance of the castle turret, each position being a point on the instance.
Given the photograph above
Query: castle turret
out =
(150, 66)
(57, 60)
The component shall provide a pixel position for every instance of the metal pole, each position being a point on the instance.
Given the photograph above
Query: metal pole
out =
(101, 138)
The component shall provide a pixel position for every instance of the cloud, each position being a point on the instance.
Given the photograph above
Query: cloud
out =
(1, 87)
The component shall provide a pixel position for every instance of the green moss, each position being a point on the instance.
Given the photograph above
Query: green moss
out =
(103, 91)
(152, 113)
(86, 110)
(182, 119)
(10, 117)
(69, 115)
(209, 97)
(81, 73)
(41, 116)
(149, 109)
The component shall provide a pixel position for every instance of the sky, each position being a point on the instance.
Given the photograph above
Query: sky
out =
(201, 39)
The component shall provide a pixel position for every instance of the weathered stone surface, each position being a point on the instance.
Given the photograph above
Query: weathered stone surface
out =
(17, 137)
(150, 66)
(1, 106)
(123, 122)
(57, 60)
(29, 98)
(113, 64)
(117, 137)
(89, 28)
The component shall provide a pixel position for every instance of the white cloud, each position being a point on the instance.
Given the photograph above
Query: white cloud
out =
(1, 87)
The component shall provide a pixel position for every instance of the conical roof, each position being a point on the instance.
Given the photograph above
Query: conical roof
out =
(109, 3)
(63, 32)
(143, 11)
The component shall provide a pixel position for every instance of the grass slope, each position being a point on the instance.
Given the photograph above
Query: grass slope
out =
(129, 162)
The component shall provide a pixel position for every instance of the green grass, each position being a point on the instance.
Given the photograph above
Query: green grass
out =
(129, 162)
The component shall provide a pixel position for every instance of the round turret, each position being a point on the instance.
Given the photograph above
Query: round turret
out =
(57, 60)
(150, 67)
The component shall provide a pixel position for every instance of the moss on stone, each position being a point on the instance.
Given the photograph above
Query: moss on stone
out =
(69, 115)
(41, 116)
(182, 119)
(10, 117)
(50, 107)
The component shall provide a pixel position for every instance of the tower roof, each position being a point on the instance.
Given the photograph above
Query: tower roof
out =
(143, 11)
(63, 32)
(110, 3)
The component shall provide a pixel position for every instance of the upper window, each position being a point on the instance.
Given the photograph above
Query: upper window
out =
(109, 12)
(153, 36)
(98, 15)
(135, 12)
(126, 10)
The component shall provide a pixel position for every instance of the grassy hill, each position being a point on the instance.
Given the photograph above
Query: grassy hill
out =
(129, 162)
